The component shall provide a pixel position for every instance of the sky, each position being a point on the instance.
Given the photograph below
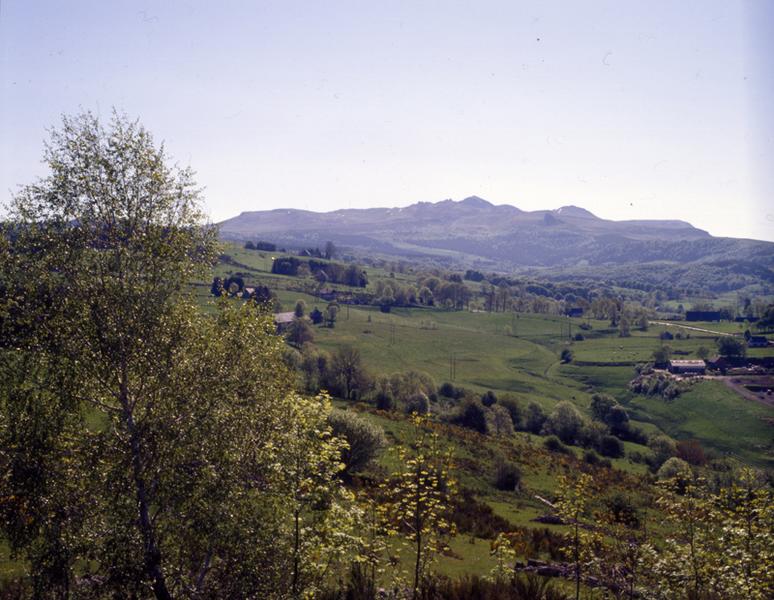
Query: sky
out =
(633, 110)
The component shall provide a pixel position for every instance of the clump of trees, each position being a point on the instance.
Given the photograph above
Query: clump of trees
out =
(659, 384)
(332, 272)
(261, 246)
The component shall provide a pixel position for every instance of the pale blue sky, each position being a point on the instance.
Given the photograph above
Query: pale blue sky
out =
(629, 109)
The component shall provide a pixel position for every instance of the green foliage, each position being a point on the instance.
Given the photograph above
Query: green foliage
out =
(721, 545)
(299, 332)
(601, 404)
(146, 447)
(365, 440)
(346, 375)
(554, 444)
(663, 448)
(510, 403)
(611, 446)
(471, 415)
(674, 468)
(571, 505)
(488, 398)
(316, 316)
(565, 422)
(507, 476)
(535, 418)
(730, 346)
(499, 421)
(417, 499)
(659, 384)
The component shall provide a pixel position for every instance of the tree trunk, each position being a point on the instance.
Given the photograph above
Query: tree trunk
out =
(152, 558)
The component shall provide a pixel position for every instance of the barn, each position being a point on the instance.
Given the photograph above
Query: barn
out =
(688, 367)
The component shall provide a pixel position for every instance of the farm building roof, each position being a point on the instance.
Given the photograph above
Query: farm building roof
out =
(698, 364)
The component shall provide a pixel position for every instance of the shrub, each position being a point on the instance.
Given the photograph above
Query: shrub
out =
(590, 457)
(382, 394)
(729, 346)
(658, 384)
(578, 337)
(591, 434)
(299, 332)
(316, 316)
(384, 401)
(536, 418)
(675, 468)
(663, 447)
(691, 452)
(622, 510)
(566, 356)
(498, 421)
(611, 446)
(449, 390)
(488, 398)
(471, 415)
(365, 439)
(554, 444)
(565, 421)
(601, 405)
(511, 404)
(418, 403)
(507, 476)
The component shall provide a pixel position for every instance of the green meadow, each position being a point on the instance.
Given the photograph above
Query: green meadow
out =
(518, 353)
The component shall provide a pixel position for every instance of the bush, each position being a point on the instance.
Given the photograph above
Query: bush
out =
(471, 415)
(418, 403)
(536, 418)
(507, 476)
(554, 444)
(578, 337)
(316, 316)
(663, 447)
(511, 404)
(566, 356)
(590, 457)
(384, 400)
(299, 332)
(449, 390)
(488, 398)
(729, 346)
(601, 405)
(622, 510)
(565, 421)
(692, 452)
(365, 439)
(675, 468)
(611, 446)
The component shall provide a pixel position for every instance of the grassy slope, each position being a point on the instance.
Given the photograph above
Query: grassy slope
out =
(526, 363)
(712, 413)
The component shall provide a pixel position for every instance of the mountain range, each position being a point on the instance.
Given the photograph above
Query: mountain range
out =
(501, 236)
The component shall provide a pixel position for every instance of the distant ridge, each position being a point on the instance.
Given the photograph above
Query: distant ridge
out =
(502, 236)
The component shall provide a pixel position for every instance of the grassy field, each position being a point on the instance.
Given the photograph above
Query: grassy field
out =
(519, 353)
(716, 416)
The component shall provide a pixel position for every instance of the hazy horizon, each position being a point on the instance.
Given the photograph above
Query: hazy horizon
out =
(631, 111)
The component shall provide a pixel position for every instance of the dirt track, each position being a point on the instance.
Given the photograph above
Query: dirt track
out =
(693, 328)
(737, 384)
